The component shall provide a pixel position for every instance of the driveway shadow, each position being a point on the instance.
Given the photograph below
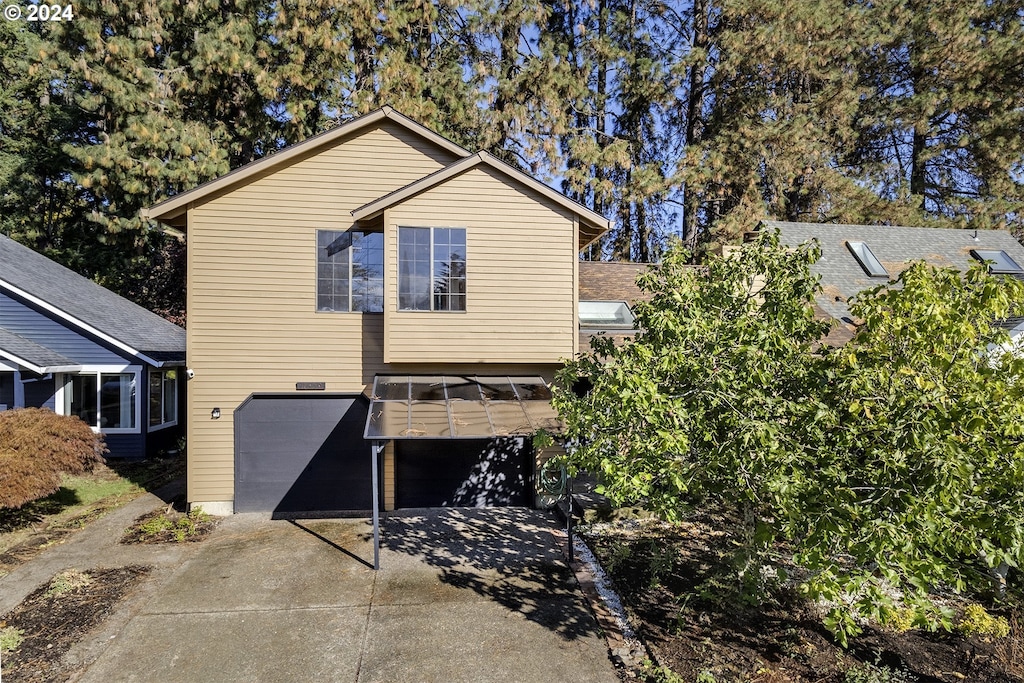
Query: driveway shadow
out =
(507, 555)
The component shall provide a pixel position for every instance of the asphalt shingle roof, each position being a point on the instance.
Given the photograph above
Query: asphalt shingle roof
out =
(611, 281)
(30, 352)
(894, 246)
(85, 301)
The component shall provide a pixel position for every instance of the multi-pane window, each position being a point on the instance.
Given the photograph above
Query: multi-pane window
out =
(349, 271)
(163, 398)
(105, 400)
(432, 269)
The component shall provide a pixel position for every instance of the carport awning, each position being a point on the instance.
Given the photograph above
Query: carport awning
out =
(458, 407)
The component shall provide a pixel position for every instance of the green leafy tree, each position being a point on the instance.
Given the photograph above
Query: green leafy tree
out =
(889, 465)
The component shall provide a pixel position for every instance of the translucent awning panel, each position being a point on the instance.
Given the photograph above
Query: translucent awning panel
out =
(458, 407)
(428, 419)
(387, 417)
(470, 418)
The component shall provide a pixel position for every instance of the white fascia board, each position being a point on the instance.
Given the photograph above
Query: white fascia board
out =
(38, 369)
(78, 323)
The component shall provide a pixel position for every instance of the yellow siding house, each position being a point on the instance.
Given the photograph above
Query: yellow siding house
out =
(376, 249)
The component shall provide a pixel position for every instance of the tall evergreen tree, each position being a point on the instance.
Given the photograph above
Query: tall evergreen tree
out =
(942, 119)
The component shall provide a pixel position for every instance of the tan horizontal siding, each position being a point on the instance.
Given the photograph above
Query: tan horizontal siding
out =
(253, 325)
(519, 275)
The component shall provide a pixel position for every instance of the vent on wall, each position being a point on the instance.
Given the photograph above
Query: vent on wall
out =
(867, 260)
(999, 262)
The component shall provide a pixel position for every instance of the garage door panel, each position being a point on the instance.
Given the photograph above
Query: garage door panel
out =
(463, 473)
(302, 454)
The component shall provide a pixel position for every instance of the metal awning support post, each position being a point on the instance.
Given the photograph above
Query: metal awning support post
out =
(377, 449)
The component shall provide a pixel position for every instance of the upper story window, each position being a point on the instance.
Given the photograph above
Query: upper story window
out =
(432, 269)
(349, 271)
(606, 315)
(999, 262)
(871, 265)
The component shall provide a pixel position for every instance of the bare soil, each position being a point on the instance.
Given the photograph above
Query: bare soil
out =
(694, 621)
(51, 622)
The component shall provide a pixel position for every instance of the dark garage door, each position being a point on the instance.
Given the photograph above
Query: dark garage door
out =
(463, 472)
(302, 454)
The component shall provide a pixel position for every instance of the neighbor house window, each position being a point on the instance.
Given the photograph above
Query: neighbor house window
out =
(432, 269)
(999, 262)
(163, 398)
(105, 401)
(349, 271)
(867, 260)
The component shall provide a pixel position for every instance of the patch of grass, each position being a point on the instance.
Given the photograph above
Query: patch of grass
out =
(87, 490)
(10, 638)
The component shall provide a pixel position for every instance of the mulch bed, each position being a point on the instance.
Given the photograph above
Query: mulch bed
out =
(169, 525)
(52, 623)
(692, 623)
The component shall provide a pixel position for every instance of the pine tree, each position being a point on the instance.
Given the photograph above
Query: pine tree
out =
(943, 116)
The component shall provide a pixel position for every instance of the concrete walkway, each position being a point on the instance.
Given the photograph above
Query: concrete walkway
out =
(462, 595)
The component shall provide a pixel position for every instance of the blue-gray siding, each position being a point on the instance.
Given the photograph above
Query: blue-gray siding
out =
(7, 389)
(41, 393)
(44, 330)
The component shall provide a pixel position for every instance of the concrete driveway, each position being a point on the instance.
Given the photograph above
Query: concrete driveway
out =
(462, 595)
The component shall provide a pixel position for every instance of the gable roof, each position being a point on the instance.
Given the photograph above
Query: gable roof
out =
(612, 281)
(82, 304)
(895, 247)
(597, 223)
(36, 358)
(172, 210)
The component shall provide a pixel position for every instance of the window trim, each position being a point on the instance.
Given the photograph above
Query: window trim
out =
(994, 265)
(316, 301)
(149, 413)
(98, 371)
(432, 309)
(867, 259)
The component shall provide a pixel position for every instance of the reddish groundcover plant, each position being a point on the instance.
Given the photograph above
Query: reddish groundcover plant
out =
(37, 447)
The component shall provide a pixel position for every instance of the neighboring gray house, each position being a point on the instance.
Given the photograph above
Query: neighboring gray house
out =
(858, 257)
(70, 345)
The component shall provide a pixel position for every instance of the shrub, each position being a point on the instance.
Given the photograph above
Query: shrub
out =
(978, 622)
(37, 447)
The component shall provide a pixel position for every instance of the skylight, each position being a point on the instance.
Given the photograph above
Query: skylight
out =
(999, 262)
(606, 315)
(871, 265)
